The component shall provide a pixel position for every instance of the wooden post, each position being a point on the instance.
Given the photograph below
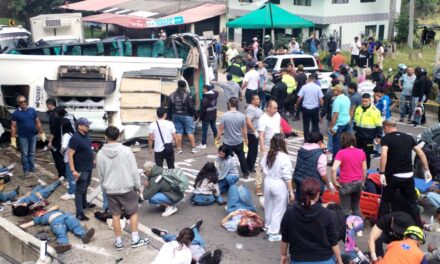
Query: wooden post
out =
(411, 25)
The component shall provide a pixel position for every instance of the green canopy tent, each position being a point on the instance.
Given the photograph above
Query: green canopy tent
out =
(270, 16)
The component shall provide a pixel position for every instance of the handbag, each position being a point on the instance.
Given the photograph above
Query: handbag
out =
(168, 147)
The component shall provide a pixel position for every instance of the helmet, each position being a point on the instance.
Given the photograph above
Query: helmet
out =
(316, 54)
(418, 71)
(343, 68)
(417, 193)
(402, 67)
(276, 76)
(423, 71)
(414, 232)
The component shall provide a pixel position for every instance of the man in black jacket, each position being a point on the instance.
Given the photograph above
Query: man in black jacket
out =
(181, 111)
(418, 94)
(54, 143)
(208, 113)
(278, 92)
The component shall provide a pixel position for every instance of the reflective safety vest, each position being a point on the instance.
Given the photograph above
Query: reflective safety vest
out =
(290, 82)
(367, 122)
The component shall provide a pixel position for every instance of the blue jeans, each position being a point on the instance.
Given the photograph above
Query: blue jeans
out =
(81, 191)
(205, 199)
(27, 147)
(198, 240)
(71, 180)
(160, 198)
(405, 105)
(225, 183)
(64, 223)
(239, 197)
(104, 202)
(337, 139)
(45, 191)
(434, 199)
(329, 261)
(205, 125)
(7, 196)
(183, 124)
(329, 139)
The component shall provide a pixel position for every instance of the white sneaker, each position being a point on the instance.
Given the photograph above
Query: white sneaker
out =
(67, 196)
(200, 146)
(359, 233)
(11, 166)
(274, 238)
(194, 150)
(169, 211)
(62, 179)
(41, 182)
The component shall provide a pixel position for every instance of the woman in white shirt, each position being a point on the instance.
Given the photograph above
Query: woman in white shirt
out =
(176, 252)
(277, 169)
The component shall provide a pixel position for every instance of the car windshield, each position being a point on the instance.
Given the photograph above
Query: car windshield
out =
(270, 63)
(14, 41)
(306, 62)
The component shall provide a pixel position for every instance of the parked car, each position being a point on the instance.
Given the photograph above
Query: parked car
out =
(277, 62)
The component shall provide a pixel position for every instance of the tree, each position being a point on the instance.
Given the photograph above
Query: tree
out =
(402, 27)
(24, 9)
(411, 24)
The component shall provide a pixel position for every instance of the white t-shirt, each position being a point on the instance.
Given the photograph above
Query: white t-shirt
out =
(252, 78)
(167, 128)
(170, 253)
(270, 126)
(355, 48)
(65, 146)
(367, 87)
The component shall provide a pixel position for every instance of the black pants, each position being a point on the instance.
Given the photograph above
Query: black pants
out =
(353, 60)
(58, 158)
(310, 116)
(367, 145)
(289, 103)
(407, 189)
(159, 157)
(248, 95)
(253, 151)
(379, 244)
(238, 150)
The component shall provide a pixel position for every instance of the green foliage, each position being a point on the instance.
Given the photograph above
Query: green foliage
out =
(402, 27)
(25, 9)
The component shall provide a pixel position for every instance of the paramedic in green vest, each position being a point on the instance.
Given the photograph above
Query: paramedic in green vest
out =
(158, 191)
(289, 105)
(237, 69)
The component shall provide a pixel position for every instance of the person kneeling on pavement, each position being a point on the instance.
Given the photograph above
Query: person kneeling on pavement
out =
(227, 168)
(60, 223)
(163, 187)
(197, 247)
(408, 250)
(34, 199)
(206, 190)
(241, 210)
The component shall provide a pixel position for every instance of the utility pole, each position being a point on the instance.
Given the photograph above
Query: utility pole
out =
(391, 20)
(411, 25)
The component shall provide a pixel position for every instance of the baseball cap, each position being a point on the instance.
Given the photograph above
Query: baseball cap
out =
(338, 50)
(267, 37)
(83, 121)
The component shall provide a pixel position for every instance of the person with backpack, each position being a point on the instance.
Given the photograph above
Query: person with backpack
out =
(162, 133)
(206, 190)
(164, 187)
(208, 113)
(67, 131)
(181, 111)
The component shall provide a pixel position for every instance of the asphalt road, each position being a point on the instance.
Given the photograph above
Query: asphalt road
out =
(255, 249)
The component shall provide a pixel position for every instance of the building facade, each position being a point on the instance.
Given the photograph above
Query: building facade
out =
(343, 19)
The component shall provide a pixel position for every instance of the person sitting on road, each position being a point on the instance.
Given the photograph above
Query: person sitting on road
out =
(60, 223)
(241, 210)
(7, 196)
(407, 250)
(176, 251)
(34, 199)
(227, 169)
(197, 247)
(206, 190)
(158, 191)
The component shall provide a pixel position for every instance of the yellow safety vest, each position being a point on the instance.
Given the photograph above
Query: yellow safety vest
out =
(290, 83)
(370, 118)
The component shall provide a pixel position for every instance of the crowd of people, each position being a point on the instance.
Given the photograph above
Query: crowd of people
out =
(359, 125)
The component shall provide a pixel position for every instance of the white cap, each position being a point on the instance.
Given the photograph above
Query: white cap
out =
(267, 37)
(338, 50)
(255, 38)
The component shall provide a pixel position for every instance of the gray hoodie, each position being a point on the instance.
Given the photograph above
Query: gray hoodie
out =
(117, 169)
